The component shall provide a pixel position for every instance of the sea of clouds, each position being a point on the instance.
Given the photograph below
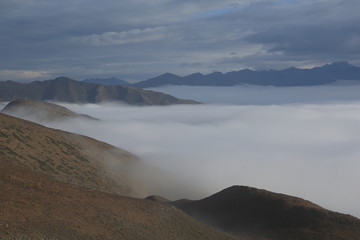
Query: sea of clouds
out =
(308, 147)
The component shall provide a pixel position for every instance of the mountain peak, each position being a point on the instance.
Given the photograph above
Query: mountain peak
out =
(195, 75)
(168, 75)
(341, 64)
(106, 81)
(63, 79)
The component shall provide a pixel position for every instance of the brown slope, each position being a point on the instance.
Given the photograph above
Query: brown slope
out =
(67, 90)
(42, 111)
(67, 157)
(251, 212)
(35, 206)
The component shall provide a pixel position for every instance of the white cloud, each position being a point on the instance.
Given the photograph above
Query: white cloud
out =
(21, 74)
(309, 151)
(306, 150)
(124, 37)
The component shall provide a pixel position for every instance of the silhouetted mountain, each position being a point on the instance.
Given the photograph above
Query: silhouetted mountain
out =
(164, 79)
(41, 111)
(106, 81)
(67, 90)
(328, 73)
(249, 212)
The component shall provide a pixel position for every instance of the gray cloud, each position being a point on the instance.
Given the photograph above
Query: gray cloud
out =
(153, 37)
(131, 36)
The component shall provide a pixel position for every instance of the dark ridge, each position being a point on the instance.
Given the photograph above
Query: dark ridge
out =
(326, 74)
(245, 211)
(164, 79)
(64, 89)
(156, 198)
(42, 111)
(107, 81)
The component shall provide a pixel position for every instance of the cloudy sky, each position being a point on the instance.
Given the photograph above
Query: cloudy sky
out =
(138, 39)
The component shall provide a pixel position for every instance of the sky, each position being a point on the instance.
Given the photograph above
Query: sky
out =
(136, 40)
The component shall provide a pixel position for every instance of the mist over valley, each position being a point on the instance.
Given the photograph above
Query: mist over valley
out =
(200, 120)
(307, 147)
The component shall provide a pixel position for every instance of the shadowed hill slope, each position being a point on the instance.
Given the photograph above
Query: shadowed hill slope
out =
(250, 212)
(35, 206)
(67, 157)
(67, 90)
(43, 111)
(53, 186)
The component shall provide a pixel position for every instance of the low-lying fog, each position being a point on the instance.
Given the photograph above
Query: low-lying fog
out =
(308, 150)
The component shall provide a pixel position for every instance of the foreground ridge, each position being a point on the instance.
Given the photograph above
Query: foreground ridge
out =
(250, 212)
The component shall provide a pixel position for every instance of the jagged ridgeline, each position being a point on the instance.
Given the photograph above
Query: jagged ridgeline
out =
(67, 90)
(326, 74)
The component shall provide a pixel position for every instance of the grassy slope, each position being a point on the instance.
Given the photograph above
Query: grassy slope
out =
(66, 157)
(53, 186)
(35, 206)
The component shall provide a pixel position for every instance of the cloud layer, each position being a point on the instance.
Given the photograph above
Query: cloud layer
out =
(307, 149)
(139, 39)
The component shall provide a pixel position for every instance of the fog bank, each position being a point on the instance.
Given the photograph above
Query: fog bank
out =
(301, 141)
(309, 150)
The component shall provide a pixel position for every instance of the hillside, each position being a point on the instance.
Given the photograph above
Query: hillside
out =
(67, 157)
(58, 185)
(35, 206)
(42, 111)
(254, 213)
(326, 74)
(67, 90)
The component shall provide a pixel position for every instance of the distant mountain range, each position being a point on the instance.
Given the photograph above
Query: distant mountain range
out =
(326, 74)
(68, 90)
(107, 81)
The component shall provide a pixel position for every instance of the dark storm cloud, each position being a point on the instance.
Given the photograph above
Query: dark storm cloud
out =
(320, 30)
(140, 39)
